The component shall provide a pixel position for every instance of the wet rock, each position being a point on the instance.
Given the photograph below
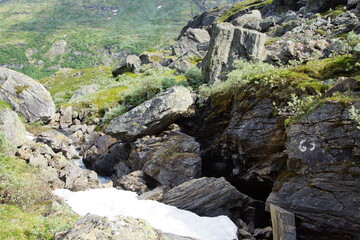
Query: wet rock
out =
(227, 44)
(12, 128)
(205, 196)
(190, 41)
(26, 95)
(171, 159)
(152, 116)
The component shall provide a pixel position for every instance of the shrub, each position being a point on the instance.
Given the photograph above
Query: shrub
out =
(194, 78)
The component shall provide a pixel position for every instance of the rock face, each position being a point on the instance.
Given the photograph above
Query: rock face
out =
(249, 20)
(205, 196)
(291, 4)
(153, 115)
(171, 159)
(82, 91)
(26, 95)
(227, 44)
(323, 150)
(12, 128)
(323, 5)
(92, 227)
(190, 41)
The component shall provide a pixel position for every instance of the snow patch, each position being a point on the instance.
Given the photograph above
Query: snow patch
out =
(111, 202)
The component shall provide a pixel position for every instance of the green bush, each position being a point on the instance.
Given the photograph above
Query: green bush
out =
(194, 78)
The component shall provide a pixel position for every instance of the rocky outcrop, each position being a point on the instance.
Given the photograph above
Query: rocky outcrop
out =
(323, 5)
(92, 227)
(12, 128)
(170, 159)
(82, 91)
(135, 181)
(26, 95)
(190, 41)
(250, 20)
(227, 44)
(205, 196)
(323, 150)
(153, 115)
(131, 65)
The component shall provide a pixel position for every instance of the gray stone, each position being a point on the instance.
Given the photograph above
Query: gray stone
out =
(134, 181)
(356, 50)
(227, 44)
(152, 116)
(171, 159)
(58, 48)
(82, 91)
(26, 95)
(157, 194)
(12, 128)
(190, 40)
(323, 5)
(250, 20)
(66, 117)
(131, 64)
(283, 223)
(205, 196)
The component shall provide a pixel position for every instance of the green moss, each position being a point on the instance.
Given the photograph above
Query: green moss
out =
(4, 105)
(334, 13)
(241, 6)
(20, 89)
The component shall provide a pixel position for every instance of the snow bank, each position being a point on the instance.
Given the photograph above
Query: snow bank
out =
(111, 202)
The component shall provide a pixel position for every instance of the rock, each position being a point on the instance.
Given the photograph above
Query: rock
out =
(351, 4)
(12, 128)
(92, 227)
(283, 223)
(227, 44)
(153, 115)
(82, 91)
(157, 194)
(181, 65)
(190, 40)
(356, 50)
(38, 161)
(78, 179)
(58, 48)
(171, 159)
(205, 196)
(131, 65)
(59, 143)
(344, 84)
(291, 4)
(152, 57)
(323, 5)
(264, 233)
(66, 117)
(26, 95)
(134, 181)
(250, 20)
(120, 169)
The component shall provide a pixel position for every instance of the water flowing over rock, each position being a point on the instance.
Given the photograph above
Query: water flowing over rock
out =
(171, 159)
(205, 196)
(153, 115)
(227, 44)
(12, 128)
(26, 95)
(190, 41)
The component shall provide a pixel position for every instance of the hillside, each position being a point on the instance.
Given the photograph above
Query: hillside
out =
(39, 37)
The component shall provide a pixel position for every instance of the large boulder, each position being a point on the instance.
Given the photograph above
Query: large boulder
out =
(323, 5)
(26, 95)
(12, 128)
(227, 44)
(205, 196)
(152, 116)
(324, 157)
(130, 65)
(171, 159)
(250, 20)
(190, 41)
(93, 227)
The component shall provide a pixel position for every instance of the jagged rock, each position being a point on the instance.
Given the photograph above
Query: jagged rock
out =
(58, 142)
(181, 65)
(66, 117)
(152, 57)
(153, 115)
(26, 95)
(82, 91)
(254, 142)
(134, 181)
(324, 152)
(78, 179)
(12, 128)
(323, 5)
(131, 64)
(291, 4)
(120, 169)
(283, 223)
(205, 196)
(250, 20)
(104, 154)
(92, 227)
(264, 233)
(227, 44)
(171, 159)
(157, 194)
(190, 40)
